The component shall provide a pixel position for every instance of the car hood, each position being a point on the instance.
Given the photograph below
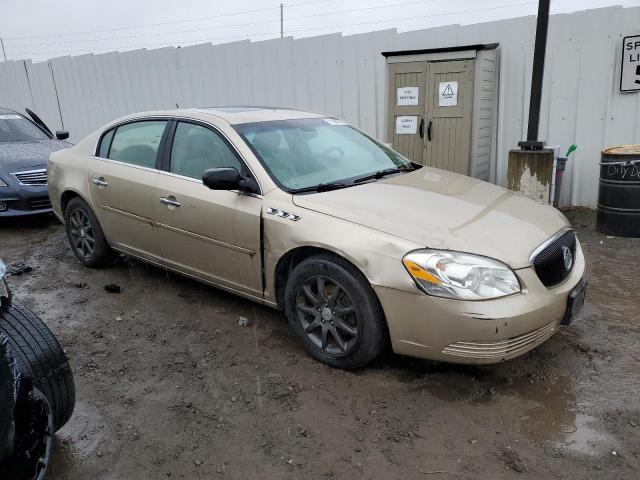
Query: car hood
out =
(445, 210)
(16, 156)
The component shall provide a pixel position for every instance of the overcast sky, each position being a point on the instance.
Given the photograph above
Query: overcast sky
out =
(41, 29)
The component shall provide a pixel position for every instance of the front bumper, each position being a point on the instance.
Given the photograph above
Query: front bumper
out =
(24, 200)
(478, 332)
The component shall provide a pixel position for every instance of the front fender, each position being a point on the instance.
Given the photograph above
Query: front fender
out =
(376, 254)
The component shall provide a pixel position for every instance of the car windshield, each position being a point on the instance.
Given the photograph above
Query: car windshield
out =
(306, 153)
(16, 128)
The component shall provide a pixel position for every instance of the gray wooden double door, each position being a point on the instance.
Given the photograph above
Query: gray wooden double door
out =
(430, 110)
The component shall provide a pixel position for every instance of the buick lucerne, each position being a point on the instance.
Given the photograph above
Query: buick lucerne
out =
(358, 246)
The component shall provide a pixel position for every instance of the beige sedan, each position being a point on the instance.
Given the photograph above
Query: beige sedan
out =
(359, 246)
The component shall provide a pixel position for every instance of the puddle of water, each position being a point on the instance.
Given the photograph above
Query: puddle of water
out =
(583, 438)
(554, 419)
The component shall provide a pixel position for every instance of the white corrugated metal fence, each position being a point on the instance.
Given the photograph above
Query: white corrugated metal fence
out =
(345, 76)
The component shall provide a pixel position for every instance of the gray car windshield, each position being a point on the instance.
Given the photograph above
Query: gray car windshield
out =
(305, 153)
(16, 128)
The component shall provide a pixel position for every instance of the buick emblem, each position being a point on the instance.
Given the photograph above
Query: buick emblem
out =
(567, 256)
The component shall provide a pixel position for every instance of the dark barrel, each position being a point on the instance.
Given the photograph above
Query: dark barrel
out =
(619, 192)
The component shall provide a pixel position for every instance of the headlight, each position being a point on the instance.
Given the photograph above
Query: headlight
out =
(460, 276)
(3, 269)
(3, 183)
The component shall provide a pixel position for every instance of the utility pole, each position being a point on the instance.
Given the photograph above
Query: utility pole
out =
(532, 156)
(281, 20)
(3, 50)
(536, 77)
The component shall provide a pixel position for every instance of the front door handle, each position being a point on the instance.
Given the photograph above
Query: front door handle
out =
(429, 131)
(422, 128)
(169, 202)
(100, 182)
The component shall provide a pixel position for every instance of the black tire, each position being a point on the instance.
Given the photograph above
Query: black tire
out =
(100, 253)
(356, 309)
(40, 357)
(7, 400)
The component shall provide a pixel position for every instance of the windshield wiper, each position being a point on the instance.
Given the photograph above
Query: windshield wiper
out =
(322, 187)
(381, 173)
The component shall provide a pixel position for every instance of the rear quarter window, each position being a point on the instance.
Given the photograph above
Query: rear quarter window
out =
(105, 143)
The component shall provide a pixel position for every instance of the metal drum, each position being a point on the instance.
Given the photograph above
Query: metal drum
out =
(619, 192)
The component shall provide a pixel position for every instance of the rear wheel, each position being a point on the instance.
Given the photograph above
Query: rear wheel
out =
(85, 234)
(334, 311)
(40, 358)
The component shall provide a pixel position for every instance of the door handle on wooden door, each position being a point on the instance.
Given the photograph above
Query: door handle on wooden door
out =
(429, 131)
(422, 128)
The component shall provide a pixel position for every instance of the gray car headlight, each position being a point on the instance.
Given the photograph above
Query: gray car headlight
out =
(3, 183)
(460, 276)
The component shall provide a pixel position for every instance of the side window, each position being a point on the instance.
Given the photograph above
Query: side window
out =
(105, 143)
(137, 143)
(196, 149)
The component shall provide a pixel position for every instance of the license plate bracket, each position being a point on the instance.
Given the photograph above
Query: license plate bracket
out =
(575, 302)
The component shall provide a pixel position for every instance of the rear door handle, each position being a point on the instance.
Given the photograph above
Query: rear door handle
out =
(169, 202)
(429, 131)
(422, 128)
(100, 182)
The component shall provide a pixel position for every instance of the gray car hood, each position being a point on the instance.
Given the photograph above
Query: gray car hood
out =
(16, 156)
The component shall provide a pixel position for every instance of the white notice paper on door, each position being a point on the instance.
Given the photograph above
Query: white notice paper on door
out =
(407, 96)
(406, 125)
(448, 94)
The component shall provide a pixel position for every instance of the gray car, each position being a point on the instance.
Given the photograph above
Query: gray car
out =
(25, 145)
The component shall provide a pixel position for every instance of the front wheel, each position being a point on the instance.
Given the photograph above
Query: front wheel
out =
(334, 311)
(85, 234)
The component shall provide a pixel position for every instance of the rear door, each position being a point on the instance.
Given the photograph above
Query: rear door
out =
(123, 179)
(210, 234)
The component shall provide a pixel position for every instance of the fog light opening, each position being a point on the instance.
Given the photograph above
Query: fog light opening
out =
(3, 206)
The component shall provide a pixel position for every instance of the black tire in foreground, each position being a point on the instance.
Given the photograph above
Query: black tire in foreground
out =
(335, 312)
(85, 235)
(26, 423)
(40, 358)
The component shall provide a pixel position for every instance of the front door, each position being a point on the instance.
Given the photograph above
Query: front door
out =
(123, 185)
(209, 234)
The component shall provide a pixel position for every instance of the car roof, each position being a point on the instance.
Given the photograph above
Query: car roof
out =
(251, 114)
(233, 115)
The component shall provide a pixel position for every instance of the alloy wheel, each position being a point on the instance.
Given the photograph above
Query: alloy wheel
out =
(82, 233)
(327, 315)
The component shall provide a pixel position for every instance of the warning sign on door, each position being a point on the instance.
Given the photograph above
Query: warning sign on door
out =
(406, 125)
(630, 71)
(407, 96)
(448, 94)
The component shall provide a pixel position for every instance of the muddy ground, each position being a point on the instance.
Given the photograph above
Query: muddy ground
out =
(169, 385)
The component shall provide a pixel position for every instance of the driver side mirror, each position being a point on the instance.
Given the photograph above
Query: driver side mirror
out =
(226, 178)
(62, 134)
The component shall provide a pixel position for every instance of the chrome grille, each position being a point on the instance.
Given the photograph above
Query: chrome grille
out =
(32, 177)
(548, 260)
(503, 348)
